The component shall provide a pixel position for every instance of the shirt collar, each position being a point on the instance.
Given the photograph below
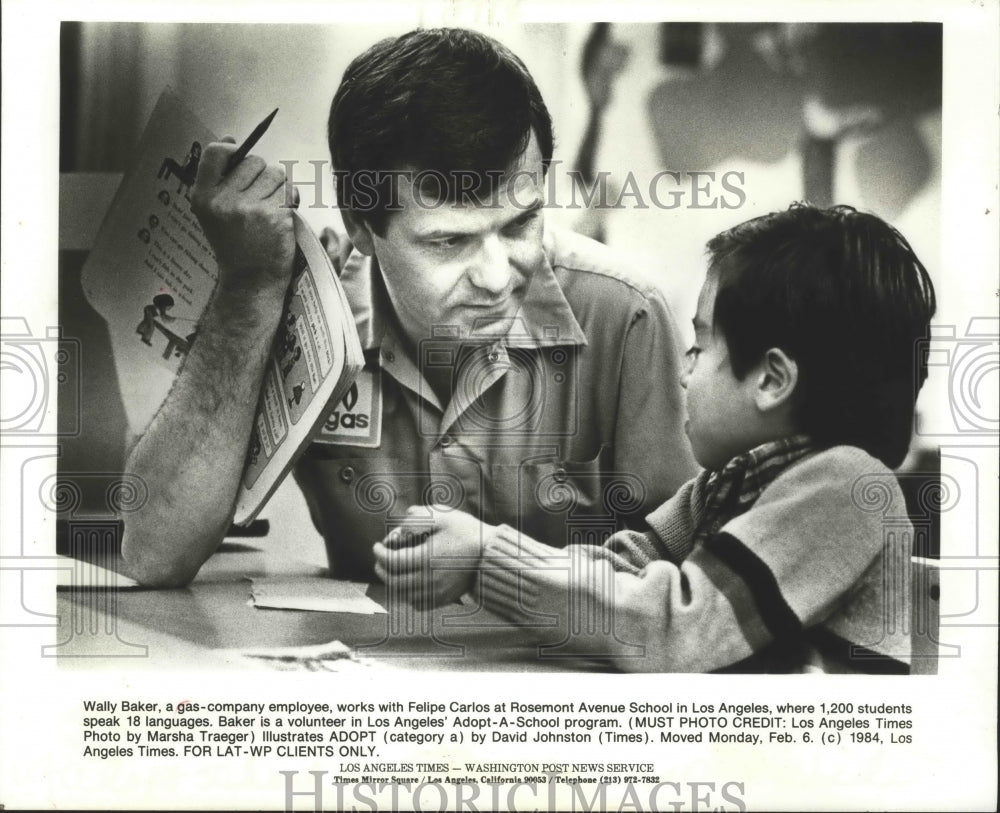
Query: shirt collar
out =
(544, 320)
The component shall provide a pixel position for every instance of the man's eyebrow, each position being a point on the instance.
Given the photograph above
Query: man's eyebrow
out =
(699, 324)
(525, 211)
(536, 204)
(434, 234)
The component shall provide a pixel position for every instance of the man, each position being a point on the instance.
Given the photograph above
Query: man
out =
(507, 369)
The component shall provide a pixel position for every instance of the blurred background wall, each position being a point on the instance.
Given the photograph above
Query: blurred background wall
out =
(845, 113)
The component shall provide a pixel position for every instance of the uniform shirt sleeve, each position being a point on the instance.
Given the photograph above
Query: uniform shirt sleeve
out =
(650, 415)
(781, 567)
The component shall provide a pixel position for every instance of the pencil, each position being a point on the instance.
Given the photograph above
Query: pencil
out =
(243, 150)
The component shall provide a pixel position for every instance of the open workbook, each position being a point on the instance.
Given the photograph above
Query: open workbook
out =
(151, 273)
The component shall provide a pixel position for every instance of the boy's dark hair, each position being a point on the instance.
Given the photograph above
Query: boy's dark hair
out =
(444, 100)
(843, 294)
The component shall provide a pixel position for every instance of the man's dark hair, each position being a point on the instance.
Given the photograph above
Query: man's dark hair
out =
(450, 101)
(844, 295)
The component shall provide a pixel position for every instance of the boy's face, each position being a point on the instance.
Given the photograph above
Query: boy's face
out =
(466, 266)
(722, 418)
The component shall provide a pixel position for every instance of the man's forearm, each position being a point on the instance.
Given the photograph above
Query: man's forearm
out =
(192, 455)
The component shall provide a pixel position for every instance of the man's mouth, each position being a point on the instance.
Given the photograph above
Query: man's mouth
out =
(498, 307)
(500, 304)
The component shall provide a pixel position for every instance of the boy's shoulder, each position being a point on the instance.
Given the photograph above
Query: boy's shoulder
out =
(835, 466)
(841, 490)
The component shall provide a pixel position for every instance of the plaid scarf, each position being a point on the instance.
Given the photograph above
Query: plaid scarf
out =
(735, 487)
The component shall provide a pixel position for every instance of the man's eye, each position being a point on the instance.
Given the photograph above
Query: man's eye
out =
(446, 242)
(522, 222)
(693, 352)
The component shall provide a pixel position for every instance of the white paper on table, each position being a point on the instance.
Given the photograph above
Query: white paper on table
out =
(313, 593)
(330, 651)
(333, 656)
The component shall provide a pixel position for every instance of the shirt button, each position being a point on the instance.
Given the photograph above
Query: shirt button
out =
(347, 474)
(389, 356)
(447, 440)
(494, 357)
(559, 475)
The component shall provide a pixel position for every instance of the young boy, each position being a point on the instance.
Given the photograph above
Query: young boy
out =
(791, 551)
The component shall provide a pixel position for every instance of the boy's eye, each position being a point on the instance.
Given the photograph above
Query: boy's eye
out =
(693, 352)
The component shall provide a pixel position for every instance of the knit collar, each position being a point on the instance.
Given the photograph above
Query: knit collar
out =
(736, 486)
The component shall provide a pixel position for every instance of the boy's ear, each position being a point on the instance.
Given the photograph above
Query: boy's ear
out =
(777, 378)
(359, 231)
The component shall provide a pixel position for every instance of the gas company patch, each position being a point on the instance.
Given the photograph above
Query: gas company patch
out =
(356, 419)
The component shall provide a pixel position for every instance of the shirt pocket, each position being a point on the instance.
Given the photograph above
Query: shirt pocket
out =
(559, 501)
(355, 502)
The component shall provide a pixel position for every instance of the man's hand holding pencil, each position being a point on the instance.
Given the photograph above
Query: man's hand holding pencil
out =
(239, 200)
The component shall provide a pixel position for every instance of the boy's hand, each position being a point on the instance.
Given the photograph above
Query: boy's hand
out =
(563, 595)
(246, 219)
(442, 566)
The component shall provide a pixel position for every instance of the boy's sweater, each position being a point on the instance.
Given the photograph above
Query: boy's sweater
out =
(803, 565)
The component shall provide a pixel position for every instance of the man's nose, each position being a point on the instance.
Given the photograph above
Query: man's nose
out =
(491, 269)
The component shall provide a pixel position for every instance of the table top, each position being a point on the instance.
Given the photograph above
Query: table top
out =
(213, 621)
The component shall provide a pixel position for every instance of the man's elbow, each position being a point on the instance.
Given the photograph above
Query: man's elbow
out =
(162, 577)
(153, 562)
(152, 572)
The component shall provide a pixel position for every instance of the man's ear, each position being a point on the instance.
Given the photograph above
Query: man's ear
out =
(777, 378)
(359, 231)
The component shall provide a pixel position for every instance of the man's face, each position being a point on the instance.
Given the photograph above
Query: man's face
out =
(722, 421)
(464, 265)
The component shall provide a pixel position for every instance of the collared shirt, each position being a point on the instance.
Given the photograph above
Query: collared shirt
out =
(568, 428)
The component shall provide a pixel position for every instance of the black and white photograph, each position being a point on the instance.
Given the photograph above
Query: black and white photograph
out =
(500, 406)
